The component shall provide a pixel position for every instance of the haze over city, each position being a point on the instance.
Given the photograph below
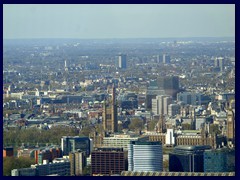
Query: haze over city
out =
(118, 21)
(119, 90)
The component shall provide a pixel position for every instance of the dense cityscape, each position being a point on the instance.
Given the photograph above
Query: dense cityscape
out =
(119, 107)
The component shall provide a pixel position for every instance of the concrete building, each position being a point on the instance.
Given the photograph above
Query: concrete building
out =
(190, 98)
(59, 166)
(152, 94)
(173, 109)
(145, 156)
(77, 163)
(24, 172)
(120, 141)
(160, 104)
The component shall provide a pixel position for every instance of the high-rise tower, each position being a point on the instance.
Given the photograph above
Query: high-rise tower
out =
(65, 65)
(231, 126)
(122, 61)
(110, 113)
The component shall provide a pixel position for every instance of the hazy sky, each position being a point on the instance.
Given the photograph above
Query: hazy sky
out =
(118, 21)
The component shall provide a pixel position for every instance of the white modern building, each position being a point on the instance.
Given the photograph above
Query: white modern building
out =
(145, 156)
(170, 139)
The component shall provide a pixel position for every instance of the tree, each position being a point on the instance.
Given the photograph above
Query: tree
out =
(186, 126)
(151, 125)
(136, 124)
(87, 170)
(214, 128)
(86, 131)
(10, 163)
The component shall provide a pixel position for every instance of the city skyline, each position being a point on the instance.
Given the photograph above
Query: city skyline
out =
(118, 21)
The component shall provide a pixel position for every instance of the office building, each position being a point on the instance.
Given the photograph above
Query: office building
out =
(145, 156)
(122, 61)
(152, 94)
(159, 59)
(77, 163)
(187, 158)
(173, 109)
(166, 59)
(160, 104)
(110, 113)
(119, 141)
(219, 63)
(107, 161)
(8, 152)
(170, 85)
(48, 153)
(190, 98)
(24, 172)
(219, 160)
(74, 143)
(59, 166)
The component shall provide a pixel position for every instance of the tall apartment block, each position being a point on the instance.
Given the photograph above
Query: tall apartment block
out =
(122, 61)
(77, 162)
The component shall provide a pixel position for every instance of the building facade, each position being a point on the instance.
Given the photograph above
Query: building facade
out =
(73, 143)
(219, 160)
(77, 163)
(59, 166)
(145, 156)
(122, 61)
(107, 161)
(187, 158)
(110, 113)
(160, 104)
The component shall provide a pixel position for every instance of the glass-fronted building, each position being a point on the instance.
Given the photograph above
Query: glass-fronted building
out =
(74, 143)
(219, 160)
(145, 156)
(187, 158)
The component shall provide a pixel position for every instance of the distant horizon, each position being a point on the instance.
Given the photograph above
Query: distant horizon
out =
(123, 38)
(117, 21)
